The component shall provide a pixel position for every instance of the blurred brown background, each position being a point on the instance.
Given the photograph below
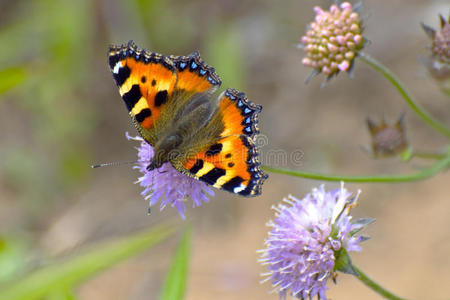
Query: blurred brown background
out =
(66, 114)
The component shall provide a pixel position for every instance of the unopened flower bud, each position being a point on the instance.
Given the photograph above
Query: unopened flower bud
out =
(333, 39)
(388, 140)
(438, 62)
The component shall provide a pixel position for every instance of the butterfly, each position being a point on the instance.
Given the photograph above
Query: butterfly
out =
(170, 100)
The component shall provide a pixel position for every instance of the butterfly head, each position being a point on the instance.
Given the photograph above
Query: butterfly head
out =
(165, 150)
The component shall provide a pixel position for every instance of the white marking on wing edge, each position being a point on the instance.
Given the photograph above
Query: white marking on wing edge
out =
(117, 67)
(239, 188)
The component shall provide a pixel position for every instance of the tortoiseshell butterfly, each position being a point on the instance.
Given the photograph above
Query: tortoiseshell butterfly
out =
(170, 101)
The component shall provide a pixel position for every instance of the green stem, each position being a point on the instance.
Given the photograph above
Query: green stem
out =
(428, 155)
(374, 286)
(425, 173)
(406, 95)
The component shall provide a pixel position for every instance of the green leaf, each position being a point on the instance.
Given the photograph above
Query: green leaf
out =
(11, 77)
(74, 270)
(343, 262)
(407, 154)
(175, 284)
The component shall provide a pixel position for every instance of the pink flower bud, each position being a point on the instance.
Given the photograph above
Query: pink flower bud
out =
(318, 10)
(349, 36)
(340, 39)
(354, 28)
(346, 5)
(350, 55)
(344, 66)
(351, 45)
(332, 48)
(306, 61)
(358, 39)
(326, 70)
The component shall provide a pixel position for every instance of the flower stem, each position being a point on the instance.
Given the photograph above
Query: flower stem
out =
(420, 111)
(428, 155)
(423, 174)
(374, 286)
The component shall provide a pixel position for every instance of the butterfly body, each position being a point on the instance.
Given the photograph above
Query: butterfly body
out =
(187, 132)
(170, 99)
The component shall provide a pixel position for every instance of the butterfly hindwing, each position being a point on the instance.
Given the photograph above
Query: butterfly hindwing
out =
(146, 82)
(231, 164)
(240, 116)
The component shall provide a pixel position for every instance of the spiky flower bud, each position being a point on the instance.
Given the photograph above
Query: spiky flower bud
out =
(388, 140)
(333, 39)
(440, 47)
(438, 63)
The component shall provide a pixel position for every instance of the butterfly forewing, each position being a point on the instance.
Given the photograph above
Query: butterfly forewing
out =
(146, 82)
(194, 75)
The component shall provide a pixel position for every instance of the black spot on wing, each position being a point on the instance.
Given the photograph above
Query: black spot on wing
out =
(132, 96)
(232, 183)
(143, 114)
(153, 82)
(214, 149)
(160, 98)
(143, 79)
(197, 166)
(212, 176)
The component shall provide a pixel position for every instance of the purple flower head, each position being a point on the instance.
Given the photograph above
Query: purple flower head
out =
(166, 183)
(304, 240)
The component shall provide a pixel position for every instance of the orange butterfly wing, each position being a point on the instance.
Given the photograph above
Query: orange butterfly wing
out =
(194, 75)
(146, 81)
(149, 81)
(232, 164)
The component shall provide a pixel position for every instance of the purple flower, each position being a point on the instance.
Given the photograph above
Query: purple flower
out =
(166, 183)
(306, 237)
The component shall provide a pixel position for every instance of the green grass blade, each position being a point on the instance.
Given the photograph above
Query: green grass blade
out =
(61, 295)
(75, 270)
(11, 77)
(12, 252)
(175, 284)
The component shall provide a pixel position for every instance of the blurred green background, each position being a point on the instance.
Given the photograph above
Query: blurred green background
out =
(60, 112)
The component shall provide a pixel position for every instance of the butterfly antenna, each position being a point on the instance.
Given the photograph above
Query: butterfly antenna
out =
(117, 163)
